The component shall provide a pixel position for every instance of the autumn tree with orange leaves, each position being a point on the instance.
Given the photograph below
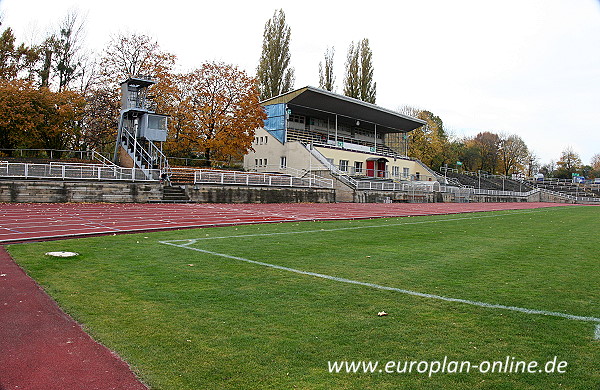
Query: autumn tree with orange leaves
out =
(38, 118)
(217, 111)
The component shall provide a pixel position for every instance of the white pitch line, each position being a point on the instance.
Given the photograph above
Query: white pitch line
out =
(193, 240)
(403, 291)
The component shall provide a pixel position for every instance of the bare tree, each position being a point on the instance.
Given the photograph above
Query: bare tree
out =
(595, 162)
(569, 163)
(68, 50)
(134, 55)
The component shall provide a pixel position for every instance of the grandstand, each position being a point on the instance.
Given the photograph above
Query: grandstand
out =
(482, 180)
(568, 187)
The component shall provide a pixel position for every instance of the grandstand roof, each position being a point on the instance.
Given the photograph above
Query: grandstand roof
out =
(320, 100)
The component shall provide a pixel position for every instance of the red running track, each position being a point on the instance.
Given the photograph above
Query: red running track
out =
(22, 221)
(43, 348)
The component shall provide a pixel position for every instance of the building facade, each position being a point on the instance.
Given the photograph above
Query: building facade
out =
(311, 129)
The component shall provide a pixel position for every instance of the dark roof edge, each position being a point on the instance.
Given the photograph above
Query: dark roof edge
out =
(348, 99)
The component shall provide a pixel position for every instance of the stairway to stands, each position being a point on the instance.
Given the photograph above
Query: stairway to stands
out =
(568, 188)
(174, 194)
(145, 154)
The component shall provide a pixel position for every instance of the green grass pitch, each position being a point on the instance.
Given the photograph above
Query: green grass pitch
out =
(187, 319)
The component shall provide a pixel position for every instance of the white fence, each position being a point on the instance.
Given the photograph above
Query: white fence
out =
(427, 186)
(211, 176)
(73, 171)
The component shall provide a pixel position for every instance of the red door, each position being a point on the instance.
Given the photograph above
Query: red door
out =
(371, 168)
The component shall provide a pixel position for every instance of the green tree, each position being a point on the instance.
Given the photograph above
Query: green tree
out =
(352, 77)
(14, 59)
(358, 82)
(326, 77)
(274, 74)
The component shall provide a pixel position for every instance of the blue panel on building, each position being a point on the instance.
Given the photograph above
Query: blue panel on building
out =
(275, 122)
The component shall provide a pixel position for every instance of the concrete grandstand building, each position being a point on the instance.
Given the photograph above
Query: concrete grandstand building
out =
(311, 129)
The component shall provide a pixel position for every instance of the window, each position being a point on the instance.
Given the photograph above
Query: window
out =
(344, 165)
(266, 138)
(405, 172)
(256, 161)
(265, 161)
(296, 118)
(358, 167)
(283, 162)
(157, 122)
(260, 162)
(395, 171)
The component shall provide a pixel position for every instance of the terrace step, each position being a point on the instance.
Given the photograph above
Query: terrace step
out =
(174, 194)
(182, 177)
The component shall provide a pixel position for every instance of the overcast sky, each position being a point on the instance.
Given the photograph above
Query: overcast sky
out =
(526, 67)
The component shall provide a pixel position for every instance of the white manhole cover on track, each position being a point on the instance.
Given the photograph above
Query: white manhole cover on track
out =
(61, 254)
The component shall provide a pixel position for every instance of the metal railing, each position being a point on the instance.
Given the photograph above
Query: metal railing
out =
(341, 142)
(398, 186)
(146, 160)
(54, 153)
(373, 185)
(212, 176)
(72, 171)
(298, 173)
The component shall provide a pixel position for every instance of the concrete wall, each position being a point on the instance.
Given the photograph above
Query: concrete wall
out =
(57, 191)
(238, 194)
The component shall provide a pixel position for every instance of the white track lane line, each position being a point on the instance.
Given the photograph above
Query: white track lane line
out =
(193, 240)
